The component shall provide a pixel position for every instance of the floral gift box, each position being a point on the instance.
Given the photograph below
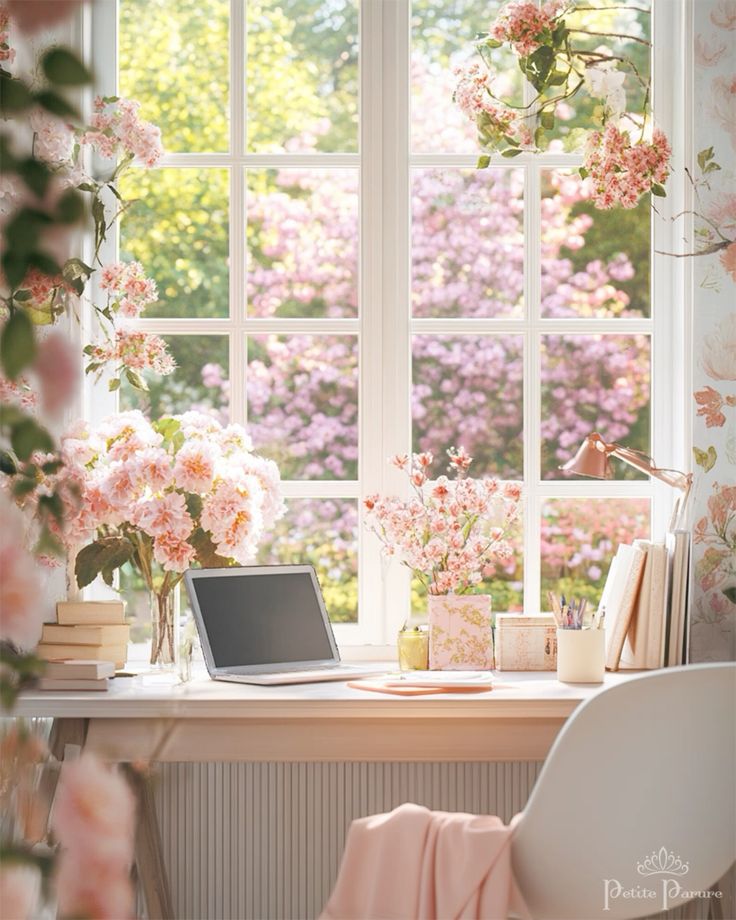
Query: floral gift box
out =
(460, 635)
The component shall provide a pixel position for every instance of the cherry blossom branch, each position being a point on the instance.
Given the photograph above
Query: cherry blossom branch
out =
(633, 38)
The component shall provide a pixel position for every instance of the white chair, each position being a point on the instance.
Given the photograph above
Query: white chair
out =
(647, 767)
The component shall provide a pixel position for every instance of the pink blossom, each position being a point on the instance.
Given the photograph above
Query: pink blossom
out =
(172, 554)
(116, 126)
(21, 607)
(140, 351)
(53, 138)
(165, 516)
(621, 172)
(525, 25)
(20, 884)
(93, 819)
(707, 53)
(152, 468)
(194, 468)
(724, 14)
(718, 356)
(129, 291)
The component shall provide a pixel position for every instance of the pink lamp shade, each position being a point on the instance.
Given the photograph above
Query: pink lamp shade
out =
(592, 459)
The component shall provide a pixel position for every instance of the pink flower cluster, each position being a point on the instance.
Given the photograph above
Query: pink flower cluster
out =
(495, 121)
(7, 53)
(134, 480)
(129, 291)
(450, 533)
(621, 172)
(93, 819)
(523, 24)
(115, 125)
(140, 351)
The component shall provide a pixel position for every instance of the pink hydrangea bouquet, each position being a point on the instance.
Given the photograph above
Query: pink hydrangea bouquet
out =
(162, 496)
(450, 532)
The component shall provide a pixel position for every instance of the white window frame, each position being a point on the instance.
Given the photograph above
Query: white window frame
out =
(384, 325)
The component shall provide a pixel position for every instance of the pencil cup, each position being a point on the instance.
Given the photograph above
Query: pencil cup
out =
(581, 655)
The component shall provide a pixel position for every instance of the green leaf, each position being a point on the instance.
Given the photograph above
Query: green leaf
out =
(112, 385)
(107, 553)
(511, 152)
(730, 593)
(15, 266)
(583, 172)
(23, 487)
(7, 463)
(207, 555)
(483, 162)
(194, 504)
(36, 176)
(658, 190)
(14, 95)
(22, 296)
(539, 65)
(28, 436)
(17, 344)
(705, 459)
(64, 68)
(135, 379)
(70, 207)
(52, 505)
(56, 104)
(547, 120)
(704, 156)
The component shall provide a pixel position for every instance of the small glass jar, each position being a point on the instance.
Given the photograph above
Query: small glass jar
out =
(413, 644)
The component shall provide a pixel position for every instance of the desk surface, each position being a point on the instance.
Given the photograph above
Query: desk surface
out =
(515, 694)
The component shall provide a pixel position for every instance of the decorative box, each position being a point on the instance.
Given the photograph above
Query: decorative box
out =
(460, 635)
(526, 642)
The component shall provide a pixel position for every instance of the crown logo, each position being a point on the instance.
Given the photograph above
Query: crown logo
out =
(662, 862)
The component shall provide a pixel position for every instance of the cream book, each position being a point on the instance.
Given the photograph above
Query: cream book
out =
(86, 635)
(51, 683)
(114, 653)
(658, 558)
(678, 597)
(77, 669)
(90, 613)
(634, 652)
(622, 598)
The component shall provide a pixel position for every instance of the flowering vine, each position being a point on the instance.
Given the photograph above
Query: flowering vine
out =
(625, 157)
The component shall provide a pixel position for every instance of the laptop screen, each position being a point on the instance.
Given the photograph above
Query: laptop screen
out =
(254, 619)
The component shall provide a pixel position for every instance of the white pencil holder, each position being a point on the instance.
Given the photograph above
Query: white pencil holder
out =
(581, 655)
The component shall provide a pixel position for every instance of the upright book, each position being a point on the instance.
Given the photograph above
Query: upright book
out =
(679, 542)
(620, 599)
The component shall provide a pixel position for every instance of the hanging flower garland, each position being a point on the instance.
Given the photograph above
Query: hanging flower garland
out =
(625, 157)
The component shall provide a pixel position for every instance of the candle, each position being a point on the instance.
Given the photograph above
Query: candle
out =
(413, 642)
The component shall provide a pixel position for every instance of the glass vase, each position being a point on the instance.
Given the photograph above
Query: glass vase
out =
(164, 631)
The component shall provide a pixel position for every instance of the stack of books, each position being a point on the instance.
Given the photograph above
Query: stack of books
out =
(76, 675)
(645, 599)
(87, 631)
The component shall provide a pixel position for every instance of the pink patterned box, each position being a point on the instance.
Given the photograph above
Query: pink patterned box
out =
(460, 635)
(526, 642)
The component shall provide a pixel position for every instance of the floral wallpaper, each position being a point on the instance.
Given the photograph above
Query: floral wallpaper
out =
(713, 597)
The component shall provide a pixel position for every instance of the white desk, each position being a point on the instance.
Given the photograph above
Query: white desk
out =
(148, 717)
(151, 718)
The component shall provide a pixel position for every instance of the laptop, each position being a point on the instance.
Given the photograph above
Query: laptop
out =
(266, 624)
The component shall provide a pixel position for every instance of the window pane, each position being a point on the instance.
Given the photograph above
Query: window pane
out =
(199, 382)
(594, 263)
(467, 391)
(579, 539)
(174, 61)
(302, 242)
(302, 76)
(179, 232)
(594, 383)
(324, 533)
(467, 242)
(442, 38)
(505, 585)
(630, 17)
(302, 393)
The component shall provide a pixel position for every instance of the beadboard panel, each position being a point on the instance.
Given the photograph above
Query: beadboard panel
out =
(264, 840)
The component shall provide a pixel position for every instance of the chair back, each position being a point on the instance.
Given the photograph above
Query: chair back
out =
(636, 802)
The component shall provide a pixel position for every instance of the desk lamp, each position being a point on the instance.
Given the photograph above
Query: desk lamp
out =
(593, 459)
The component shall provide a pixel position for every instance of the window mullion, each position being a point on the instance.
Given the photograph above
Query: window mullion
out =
(532, 388)
(237, 341)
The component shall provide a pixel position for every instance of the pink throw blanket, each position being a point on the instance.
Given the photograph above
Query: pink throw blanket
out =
(426, 865)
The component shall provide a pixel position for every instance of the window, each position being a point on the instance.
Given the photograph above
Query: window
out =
(335, 272)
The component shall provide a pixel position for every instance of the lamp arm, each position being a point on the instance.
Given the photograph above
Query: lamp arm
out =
(645, 464)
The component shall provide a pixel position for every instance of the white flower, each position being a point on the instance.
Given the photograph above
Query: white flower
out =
(718, 356)
(608, 84)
